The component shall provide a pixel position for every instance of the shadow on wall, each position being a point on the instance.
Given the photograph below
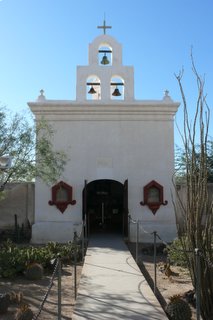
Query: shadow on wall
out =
(181, 188)
(17, 207)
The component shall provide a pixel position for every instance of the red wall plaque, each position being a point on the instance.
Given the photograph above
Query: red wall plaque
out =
(61, 196)
(153, 196)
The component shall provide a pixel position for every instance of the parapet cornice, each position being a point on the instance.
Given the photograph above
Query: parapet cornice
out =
(126, 110)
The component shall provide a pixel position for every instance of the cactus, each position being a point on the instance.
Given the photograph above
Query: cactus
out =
(24, 313)
(178, 309)
(16, 297)
(4, 302)
(34, 271)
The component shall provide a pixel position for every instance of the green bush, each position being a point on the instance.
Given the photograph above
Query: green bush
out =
(14, 259)
(176, 253)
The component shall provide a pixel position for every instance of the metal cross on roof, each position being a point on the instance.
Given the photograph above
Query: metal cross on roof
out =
(104, 27)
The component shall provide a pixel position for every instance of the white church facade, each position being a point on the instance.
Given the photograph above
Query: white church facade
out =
(120, 150)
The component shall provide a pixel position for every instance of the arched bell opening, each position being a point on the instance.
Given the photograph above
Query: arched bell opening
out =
(117, 88)
(104, 207)
(105, 55)
(93, 88)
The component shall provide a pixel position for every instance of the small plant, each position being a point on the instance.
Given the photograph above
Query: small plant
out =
(12, 260)
(178, 309)
(34, 271)
(4, 302)
(176, 254)
(16, 297)
(24, 313)
(15, 259)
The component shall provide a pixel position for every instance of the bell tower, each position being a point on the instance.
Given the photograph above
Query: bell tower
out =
(120, 148)
(105, 78)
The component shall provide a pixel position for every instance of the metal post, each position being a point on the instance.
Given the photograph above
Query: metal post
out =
(137, 240)
(59, 288)
(197, 261)
(155, 264)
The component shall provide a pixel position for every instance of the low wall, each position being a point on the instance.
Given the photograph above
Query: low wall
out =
(183, 197)
(18, 200)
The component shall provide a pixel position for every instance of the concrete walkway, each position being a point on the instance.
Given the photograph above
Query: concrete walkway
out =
(112, 286)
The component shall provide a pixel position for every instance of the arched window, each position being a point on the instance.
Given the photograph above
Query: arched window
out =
(117, 88)
(105, 55)
(93, 89)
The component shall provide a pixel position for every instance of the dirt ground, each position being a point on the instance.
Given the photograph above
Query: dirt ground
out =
(178, 282)
(33, 291)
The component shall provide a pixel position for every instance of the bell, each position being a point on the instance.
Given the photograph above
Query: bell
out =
(105, 60)
(116, 93)
(92, 90)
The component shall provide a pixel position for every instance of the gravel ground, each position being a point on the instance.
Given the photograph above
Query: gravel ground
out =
(34, 291)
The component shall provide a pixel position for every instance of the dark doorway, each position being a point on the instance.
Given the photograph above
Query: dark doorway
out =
(104, 206)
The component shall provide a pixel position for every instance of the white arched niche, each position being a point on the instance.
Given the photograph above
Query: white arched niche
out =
(105, 55)
(117, 88)
(93, 88)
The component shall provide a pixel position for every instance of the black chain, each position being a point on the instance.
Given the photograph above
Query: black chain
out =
(35, 317)
(157, 235)
(164, 242)
(133, 221)
(209, 262)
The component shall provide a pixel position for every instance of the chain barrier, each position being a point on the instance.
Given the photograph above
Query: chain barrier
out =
(81, 237)
(77, 236)
(164, 242)
(158, 236)
(35, 317)
(198, 253)
(57, 268)
(131, 220)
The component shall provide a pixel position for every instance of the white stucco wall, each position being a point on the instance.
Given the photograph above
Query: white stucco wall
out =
(118, 142)
(108, 139)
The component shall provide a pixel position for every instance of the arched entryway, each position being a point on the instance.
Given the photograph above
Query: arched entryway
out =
(105, 206)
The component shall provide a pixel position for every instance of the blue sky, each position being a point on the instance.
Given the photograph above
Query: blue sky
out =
(42, 42)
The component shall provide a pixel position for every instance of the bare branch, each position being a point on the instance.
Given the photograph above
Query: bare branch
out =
(196, 211)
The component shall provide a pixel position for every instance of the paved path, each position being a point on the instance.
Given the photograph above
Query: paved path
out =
(112, 286)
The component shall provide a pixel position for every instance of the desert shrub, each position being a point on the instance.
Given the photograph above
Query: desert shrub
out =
(12, 260)
(66, 251)
(24, 313)
(34, 271)
(15, 259)
(176, 253)
(178, 309)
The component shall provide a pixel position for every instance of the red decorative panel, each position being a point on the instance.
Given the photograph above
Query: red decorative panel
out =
(62, 196)
(153, 196)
